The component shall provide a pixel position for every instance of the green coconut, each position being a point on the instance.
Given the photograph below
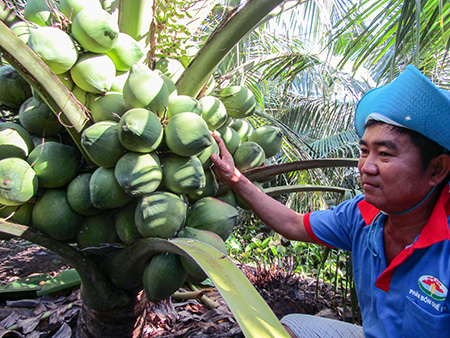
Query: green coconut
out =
(66, 80)
(94, 73)
(101, 143)
(239, 101)
(14, 89)
(15, 141)
(172, 68)
(79, 197)
(20, 214)
(144, 88)
(163, 276)
(243, 128)
(55, 164)
(169, 83)
(209, 189)
(23, 29)
(96, 231)
(95, 30)
(108, 107)
(187, 134)
(230, 138)
(53, 215)
(138, 174)
(126, 52)
(213, 112)
(39, 119)
(70, 8)
(205, 155)
(18, 181)
(207, 237)
(125, 225)
(270, 138)
(249, 155)
(119, 81)
(105, 191)
(228, 197)
(81, 95)
(212, 214)
(181, 104)
(160, 214)
(183, 175)
(55, 47)
(140, 130)
(38, 12)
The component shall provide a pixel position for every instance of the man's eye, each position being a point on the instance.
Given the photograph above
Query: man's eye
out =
(364, 151)
(384, 154)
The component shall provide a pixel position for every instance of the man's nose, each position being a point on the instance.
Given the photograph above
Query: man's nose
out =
(368, 165)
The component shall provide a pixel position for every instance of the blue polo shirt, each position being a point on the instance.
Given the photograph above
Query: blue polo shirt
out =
(408, 298)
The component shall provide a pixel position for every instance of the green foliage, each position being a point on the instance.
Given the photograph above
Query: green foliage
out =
(172, 37)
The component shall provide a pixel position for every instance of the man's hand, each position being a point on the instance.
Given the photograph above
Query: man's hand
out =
(223, 164)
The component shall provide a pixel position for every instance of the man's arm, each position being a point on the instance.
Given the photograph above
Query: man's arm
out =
(275, 215)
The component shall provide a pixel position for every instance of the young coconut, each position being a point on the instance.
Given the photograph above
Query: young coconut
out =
(163, 276)
(108, 107)
(55, 47)
(101, 143)
(243, 128)
(182, 104)
(270, 138)
(160, 214)
(15, 141)
(213, 112)
(144, 88)
(38, 118)
(18, 181)
(95, 29)
(53, 215)
(187, 134)
(38, 12)
(239, 101)
(94, 73)
(212, 214)
(126, 52)
(105, 191)
(140, 130)
(183, 175)
(14, 89)
(55, 164)
(138, 174)
(249, 155)
(70, 8)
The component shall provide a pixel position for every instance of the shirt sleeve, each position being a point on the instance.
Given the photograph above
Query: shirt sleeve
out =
(335, 227)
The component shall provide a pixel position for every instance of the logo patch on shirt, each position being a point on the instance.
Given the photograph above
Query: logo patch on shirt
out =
(433, 287)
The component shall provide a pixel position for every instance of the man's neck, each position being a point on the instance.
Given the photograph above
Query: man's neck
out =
(401, 230)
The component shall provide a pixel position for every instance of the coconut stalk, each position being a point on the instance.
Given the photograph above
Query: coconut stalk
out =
(135, 19)
(221, 41)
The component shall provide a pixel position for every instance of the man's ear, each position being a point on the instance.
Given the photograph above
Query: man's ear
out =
(440, 167)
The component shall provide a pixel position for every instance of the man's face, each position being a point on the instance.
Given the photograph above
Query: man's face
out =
(391, 171)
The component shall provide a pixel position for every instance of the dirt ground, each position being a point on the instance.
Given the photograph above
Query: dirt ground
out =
(56, 316)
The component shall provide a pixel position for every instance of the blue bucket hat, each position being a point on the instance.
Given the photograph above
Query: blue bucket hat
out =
(411, 101)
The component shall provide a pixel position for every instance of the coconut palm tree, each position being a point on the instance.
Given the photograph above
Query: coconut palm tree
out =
(299, 84)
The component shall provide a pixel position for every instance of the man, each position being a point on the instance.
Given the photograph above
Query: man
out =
(398, 232)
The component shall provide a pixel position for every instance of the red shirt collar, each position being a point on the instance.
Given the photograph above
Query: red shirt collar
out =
(435, 230)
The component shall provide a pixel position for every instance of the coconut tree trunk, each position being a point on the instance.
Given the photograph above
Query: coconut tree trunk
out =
(120, 322)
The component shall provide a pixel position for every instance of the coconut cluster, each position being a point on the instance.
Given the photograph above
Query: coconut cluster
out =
(148, 171)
